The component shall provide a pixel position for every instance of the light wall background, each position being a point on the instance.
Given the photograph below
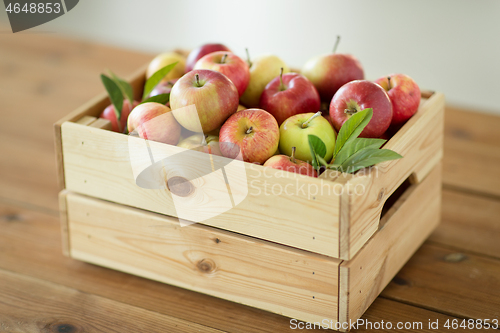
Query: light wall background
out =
(447, 45)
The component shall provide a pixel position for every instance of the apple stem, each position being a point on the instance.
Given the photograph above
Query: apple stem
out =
(249, 130)
(350, 112)
(336, 44)
(197, 77)
(223, 60)
(292, 157)
(282, 86)
(317, 114)
(389, 83)
(248, 58)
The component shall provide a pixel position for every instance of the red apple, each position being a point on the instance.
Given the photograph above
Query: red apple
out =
(291, 164)
(155, 122)
(254, 132)
(109, 114)
(404, 94)
(288, 95)
(163, 88)
(359, 95)
(229, 64)
(203, 99)
(201, 51)
(331, 71)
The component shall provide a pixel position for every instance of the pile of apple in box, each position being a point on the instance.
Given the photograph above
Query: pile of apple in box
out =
(258, 111)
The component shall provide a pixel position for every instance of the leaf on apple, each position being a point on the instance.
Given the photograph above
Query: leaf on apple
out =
(156, 78)
(161, 98)
(352, 128)
(318, 150)
(124, 86)
(353, 146)
(114, 93)
(367, 157)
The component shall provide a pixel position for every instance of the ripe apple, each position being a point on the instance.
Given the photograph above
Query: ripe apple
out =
(291, 164)
(109, 114)
(201, 51)
(263, 69)
(331, 71)
(164, 87)
(203, 99)
(200, 142)
(288, 95)
(254, 132)
(295, 130)
(229, 64)
(359, 95)
(155, 122)
(165, 59)
(404, 94)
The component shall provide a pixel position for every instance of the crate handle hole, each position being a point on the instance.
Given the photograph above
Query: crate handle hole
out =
(394, 201)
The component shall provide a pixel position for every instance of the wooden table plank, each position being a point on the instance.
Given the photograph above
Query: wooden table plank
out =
(472, 151)
(42, 79)
(442, 280)
(32, 305)
(469, 223)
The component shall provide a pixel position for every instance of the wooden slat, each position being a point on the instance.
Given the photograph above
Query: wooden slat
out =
(101, 168)
(439, 279)
(272, 277)
(63, 216)
(102, 123)
(469, 223)
(420, 142)
(32, 305)
(472, 151)
(366, 275)
(30, 244)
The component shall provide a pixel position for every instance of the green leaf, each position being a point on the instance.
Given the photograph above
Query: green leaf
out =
(353, 146)
(161, 98)
(154, 79)
(125, 87)
(115, 94)
(318, 149)
(367, 157)
(321, 160)
(352, 128)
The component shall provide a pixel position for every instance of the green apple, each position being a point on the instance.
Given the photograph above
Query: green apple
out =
(295, 130)
(263, 69)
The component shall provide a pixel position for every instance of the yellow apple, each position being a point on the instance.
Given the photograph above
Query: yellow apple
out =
(165, 59)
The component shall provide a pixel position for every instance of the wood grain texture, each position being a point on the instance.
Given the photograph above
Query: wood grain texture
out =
(469, 223)
(32, 305)
(415, 216)
(275, 278)
(420, 142)
(97, 164)
(472, 151)
(447, 281)
(63, 216)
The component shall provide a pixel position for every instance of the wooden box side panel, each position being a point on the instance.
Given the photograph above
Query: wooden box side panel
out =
(92, 108)
(282, 207)
(268, 276)
(409, 222)
(420, 142)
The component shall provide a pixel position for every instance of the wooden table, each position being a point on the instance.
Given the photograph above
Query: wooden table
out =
(455, 274)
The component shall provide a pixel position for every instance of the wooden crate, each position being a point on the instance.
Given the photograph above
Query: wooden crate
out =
(336, 222)
(277, 278)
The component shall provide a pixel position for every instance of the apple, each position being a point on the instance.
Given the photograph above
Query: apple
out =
(229, 64)
(359, 95)
(331, 71)
(254, 132)
(291, 164)
(203, 99)
(164, 87)
(295, 130)
(155, 122)
(200, 142)
(201, 51)
(288, 95)
(165, 59)
(263, 69)
(241, 108)
(109, 114)
(404, 94)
